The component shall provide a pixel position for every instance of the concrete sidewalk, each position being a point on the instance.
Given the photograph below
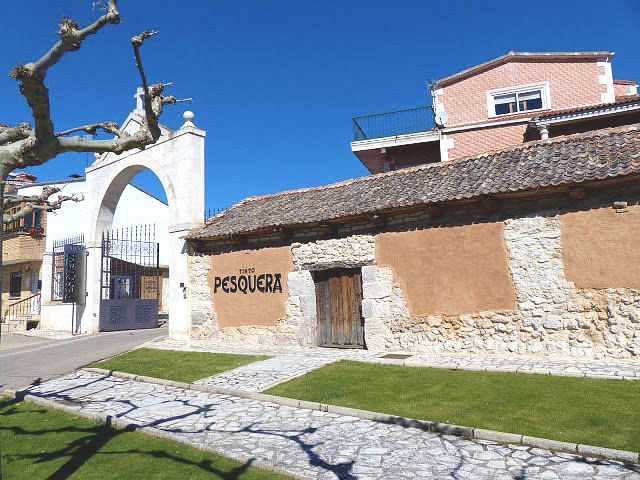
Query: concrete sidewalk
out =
(310, 443)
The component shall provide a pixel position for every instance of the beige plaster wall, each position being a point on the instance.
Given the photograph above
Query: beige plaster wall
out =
(450, 271)
(235, 309)
(600, 247)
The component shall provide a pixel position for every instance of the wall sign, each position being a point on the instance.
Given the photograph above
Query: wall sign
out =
(248, 282)
(73, 274)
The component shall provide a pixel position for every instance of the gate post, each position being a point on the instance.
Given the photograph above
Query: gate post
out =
(90, 319)
(178, 162)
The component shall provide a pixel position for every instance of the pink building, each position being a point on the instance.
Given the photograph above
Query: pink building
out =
(510, 100)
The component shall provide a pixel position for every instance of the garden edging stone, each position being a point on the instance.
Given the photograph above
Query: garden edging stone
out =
(120, 424)
(443, 428)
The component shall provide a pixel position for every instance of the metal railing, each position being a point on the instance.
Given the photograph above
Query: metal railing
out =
(412, 120)
(210, 212)
(23, 309)
(34, 231)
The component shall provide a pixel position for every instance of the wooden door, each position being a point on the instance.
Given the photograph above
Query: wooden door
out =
(339, 308)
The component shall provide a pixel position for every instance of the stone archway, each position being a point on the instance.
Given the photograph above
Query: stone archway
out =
(177, 159)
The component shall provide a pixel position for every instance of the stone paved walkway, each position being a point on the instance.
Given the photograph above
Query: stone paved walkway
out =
(259, 376)
(314, 444)
(254, 380)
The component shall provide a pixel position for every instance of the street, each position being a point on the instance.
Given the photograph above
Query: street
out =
(27, 360)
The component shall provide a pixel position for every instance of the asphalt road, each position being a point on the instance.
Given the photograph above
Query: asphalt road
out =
(24, 360)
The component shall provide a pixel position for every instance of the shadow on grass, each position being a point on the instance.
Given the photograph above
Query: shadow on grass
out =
(93, 439)
(80, 450)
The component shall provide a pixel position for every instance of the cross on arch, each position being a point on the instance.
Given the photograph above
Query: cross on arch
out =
(139, 98)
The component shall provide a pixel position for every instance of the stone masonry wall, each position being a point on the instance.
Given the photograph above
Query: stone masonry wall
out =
(298, 327)
(553, 316)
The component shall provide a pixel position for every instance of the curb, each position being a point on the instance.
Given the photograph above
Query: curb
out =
(121, 424)
(426, 425)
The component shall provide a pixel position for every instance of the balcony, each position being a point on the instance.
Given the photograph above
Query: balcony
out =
(391, 124)
(404, 138)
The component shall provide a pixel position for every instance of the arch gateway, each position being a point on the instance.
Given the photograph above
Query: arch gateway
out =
(177, 160)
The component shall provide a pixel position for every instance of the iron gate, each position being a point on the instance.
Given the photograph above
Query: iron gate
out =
(129, 279)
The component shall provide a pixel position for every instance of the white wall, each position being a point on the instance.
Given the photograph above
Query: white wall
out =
(134, 208)
(139, 208)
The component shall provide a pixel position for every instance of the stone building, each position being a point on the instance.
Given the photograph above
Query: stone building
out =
(525, 248)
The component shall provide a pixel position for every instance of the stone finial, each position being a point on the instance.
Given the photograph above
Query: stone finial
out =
(188, 117)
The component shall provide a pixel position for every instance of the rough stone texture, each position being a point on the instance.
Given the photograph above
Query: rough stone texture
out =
(553, 316)
(259, 376)
(203, 315)
(284, 366)
(298, 327)
(311, 443)
(350, 252)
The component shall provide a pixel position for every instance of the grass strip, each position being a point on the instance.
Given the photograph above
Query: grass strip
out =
(43, 443)
(177, 366)
(579, 410)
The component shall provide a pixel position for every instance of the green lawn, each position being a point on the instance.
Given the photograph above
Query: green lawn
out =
(42, 443)
(580, 410)
(178, 366)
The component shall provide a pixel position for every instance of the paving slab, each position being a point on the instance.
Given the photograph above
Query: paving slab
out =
(314, 444)
(627, 369)
(259, 376)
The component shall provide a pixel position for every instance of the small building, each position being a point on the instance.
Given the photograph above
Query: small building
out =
(508, 226)
(512, 99)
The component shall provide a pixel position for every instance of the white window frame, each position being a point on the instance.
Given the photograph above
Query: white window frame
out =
(543, 86)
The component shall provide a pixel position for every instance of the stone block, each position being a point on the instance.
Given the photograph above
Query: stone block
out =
(552, 322)
(376, 290)
(372, 307)
(308, 305)
(300, 283)
(609, 453)
(550, 444)
(369, 274)
(494, 436)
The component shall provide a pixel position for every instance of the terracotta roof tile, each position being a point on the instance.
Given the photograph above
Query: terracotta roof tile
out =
(596, 155)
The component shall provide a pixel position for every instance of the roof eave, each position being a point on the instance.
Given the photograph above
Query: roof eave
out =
(503, 58)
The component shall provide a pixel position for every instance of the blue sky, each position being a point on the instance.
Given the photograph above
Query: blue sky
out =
(275, 83)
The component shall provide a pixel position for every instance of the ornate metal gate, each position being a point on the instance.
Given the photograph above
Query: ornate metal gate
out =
(129, 279)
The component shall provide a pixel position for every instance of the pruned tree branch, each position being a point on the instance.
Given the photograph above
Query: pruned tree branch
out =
(30, 203)
(24, 146)
(109, 127)
(31, 75)
(10, 135)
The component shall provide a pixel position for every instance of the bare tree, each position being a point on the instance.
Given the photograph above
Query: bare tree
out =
(26, 146)
(27, 204)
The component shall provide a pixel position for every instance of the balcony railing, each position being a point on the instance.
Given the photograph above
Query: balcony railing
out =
(35, 232)
(22, 310)
(413, 120)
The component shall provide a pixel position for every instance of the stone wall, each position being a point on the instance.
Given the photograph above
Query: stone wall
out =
(552, 316)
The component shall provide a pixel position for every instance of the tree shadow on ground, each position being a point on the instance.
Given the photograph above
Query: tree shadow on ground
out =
(90, 443)
(84, 448)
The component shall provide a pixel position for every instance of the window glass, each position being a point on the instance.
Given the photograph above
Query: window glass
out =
(529, 100)
(37, 223)
(28, 220)
(15, 284)
(505, 103)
